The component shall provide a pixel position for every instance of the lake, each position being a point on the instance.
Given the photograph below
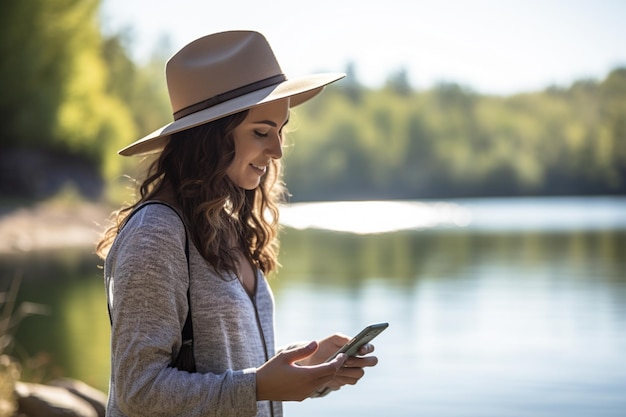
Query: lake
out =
(497, 307)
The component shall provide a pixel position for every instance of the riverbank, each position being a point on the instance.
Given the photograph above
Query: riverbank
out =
(51, 225)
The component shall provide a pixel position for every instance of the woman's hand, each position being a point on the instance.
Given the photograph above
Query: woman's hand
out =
(299, 373)
(282, 379)
(326, 348)
(351, 370)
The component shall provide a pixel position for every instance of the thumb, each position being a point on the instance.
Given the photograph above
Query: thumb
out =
(301, 352)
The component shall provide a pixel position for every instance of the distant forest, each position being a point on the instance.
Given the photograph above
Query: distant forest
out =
(448, 141)
(73, 94)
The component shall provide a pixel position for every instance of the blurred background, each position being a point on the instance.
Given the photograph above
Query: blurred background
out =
(465, 183)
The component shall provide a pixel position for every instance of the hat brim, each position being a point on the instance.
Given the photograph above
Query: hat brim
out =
(299, 89)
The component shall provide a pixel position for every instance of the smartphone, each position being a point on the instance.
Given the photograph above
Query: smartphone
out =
(352, 347)
(366, 335)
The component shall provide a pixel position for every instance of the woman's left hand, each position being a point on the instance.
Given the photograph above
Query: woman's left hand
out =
(352, 369)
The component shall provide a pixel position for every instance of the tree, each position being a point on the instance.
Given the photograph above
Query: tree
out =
(398, 82)
(57, 96)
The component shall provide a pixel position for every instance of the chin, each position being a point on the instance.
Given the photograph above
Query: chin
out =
(250, 187)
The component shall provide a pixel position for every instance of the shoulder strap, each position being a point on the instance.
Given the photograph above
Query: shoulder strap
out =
(188, 327)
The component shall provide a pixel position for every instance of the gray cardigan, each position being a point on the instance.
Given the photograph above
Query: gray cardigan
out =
(146, 282)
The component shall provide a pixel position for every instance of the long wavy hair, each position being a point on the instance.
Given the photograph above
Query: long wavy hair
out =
(220, 216)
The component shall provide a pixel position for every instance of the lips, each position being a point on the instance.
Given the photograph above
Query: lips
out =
(260, 168)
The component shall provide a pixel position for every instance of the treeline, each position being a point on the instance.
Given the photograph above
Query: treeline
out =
(69, 90)
(394, 142)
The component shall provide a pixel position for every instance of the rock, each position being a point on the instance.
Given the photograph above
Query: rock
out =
(96, 398)
(74, 399)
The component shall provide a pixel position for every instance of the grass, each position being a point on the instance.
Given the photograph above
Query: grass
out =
(11, 315)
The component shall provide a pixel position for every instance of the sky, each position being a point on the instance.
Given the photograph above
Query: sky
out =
(490, 46)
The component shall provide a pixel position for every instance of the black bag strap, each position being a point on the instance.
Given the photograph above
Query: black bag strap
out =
(187, 332)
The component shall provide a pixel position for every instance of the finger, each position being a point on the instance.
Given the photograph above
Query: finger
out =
(361, 362)
(299, 353)
(326, 371)
(336, 363)
(366, 349)
(339, 381)
(349, 374)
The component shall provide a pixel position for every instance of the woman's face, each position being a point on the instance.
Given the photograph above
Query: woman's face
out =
(258, 140)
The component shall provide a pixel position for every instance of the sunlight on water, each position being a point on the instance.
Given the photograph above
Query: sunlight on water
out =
(366, 217)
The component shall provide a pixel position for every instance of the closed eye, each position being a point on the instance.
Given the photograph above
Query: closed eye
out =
(260, 134)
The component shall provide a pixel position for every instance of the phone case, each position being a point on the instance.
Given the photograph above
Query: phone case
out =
(352, 347)
(366, 335)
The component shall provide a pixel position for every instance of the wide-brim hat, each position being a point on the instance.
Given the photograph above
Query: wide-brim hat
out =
(222, 74)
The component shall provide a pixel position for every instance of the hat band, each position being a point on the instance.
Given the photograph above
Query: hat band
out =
(229, 95)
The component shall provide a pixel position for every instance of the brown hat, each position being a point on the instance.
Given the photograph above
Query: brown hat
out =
(222, 74)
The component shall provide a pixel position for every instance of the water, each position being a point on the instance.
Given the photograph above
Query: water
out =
(496, 307)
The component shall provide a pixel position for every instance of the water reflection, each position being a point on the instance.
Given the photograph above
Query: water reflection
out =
(73, 340)
(482, 323)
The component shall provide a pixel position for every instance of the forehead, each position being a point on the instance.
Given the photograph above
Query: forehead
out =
(275, 111)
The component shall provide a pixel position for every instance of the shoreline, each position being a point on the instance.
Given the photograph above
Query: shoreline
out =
(51, 225)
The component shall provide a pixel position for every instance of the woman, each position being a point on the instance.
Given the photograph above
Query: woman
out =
(198, 243)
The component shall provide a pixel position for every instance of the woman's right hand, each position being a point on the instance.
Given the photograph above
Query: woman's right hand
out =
(281, 379)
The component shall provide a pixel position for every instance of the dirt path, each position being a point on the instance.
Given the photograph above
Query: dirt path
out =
(51, 226)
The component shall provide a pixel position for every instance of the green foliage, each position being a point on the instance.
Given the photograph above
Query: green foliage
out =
(451, 142)
(67, 89)
(34, 71)
(70, 90)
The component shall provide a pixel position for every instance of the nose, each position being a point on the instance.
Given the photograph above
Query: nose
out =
(275, 147)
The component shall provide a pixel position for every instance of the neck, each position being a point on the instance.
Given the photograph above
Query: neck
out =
(166, 194)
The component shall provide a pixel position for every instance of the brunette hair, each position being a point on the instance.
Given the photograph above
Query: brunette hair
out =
(218, 213)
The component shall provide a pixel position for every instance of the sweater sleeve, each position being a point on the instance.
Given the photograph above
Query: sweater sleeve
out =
(148, 281)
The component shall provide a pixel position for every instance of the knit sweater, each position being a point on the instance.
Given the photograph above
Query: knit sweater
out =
(146, 281)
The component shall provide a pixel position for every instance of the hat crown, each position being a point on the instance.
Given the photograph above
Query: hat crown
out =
(217, 64)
